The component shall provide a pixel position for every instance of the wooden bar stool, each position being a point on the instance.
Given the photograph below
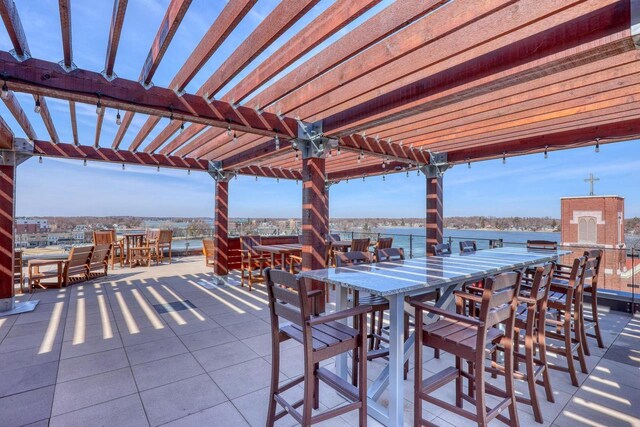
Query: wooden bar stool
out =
(530, 320)
(382, 243)
(442, 249)
(322, 337)
(250, 259)
(566, 300)
(468, 339)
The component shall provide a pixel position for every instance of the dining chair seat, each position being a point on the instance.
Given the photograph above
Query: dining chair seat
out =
(460, 334)
(326, 336)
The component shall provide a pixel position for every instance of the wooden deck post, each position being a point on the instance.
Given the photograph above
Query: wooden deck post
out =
(315, 212)
(221, 221)
(434, 218)
(7, 207)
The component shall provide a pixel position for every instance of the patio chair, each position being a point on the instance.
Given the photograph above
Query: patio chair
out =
(382, 243)
(18, 276)
(530, 322)
(542, 245)
(360, 245)
(74, 269)
(442, 249)
(162, 242)
(333, 237)
(250, 259)
(109, 237)
(591, 289)
(99, 261)
(295, 266)
(151, 235)
(140, 255)
(209, 250)
(322, 337)
(467, 338)
(566, 300)
(468, 246)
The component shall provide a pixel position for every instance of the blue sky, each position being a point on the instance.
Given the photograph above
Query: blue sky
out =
(525, 186)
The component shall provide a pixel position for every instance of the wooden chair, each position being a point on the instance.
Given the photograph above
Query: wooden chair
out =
(99, 261)
(542, 244)
(390, 254)
(250, 259)
(566, 299)
(77, 265)
(140, 255)
(151, 235)
(109, 237)
(322, 337)
(18, 276)
(591, 289)
(333, 237)
(468, 338)
(209, 250)
(360, 245)
(382, 243)
(162, 242)
(468, 246)
(295, 266)
(74, 269)
(442, 249)
(530, 321)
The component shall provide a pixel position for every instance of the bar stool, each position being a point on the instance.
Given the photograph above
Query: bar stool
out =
(442, 249)
(382, 243)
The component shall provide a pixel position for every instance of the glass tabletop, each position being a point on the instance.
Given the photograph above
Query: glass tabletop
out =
(394, 277)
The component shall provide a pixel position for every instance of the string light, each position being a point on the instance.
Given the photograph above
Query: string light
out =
(5, 90)
(384, 177)
(256, 177)
(277, 180)
(338, 151)
(123, 166)
(296, 181)
(469, 163)
(330, 153)
(597, 145)
(229, 130)
(37, 107)
(347, 181)
(362, 178)
(384, 165)
(297, 157)
(181, 128)
(40, 159)
(158, 169)
(546, 154)
(277, 141)
(118, 119)
(84, 162)
(407, 173)
(189, 171)
(504, 157)
(235, 137)
(417, 170)
(171, 116)
(98, 106)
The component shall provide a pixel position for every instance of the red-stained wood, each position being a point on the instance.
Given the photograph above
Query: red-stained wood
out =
(370, 170)
(12, 23)
(600, 33)
(268, 172)
(221, 228)
(257, 153)
(434, 223)
(122, 129)
(117, 19)
(181, 139)
(225, 23)
(46, 118)
(376, 28)
(6, 135)
(145, 130)
(99, 121)
(64, 6)
(18, 113)
(7, 226)
(209, 135)
(168, 27)
(222, 148)
(277, 22)
(74, 122)
(163, 136)
(336, 17)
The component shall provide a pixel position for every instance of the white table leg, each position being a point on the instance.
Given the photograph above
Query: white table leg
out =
(341, 360)
(396, 360)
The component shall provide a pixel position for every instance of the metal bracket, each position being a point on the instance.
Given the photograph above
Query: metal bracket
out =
(311, 141)
(19, 58)
(217, 173)
(329, 184)
(437, 166)
(23, 149)
(67, 69)
(109, 78)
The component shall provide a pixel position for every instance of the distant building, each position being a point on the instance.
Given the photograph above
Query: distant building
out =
(30, 226)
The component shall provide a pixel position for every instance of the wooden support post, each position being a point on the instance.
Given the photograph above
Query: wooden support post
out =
(222, 228)
(434, 212)
(7, 206)
(315, 218)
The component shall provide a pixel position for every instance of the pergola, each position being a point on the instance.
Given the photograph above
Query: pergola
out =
(420, 85)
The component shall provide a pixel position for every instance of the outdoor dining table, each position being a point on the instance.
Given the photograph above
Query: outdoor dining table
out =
(341, 245)
(132, 240)
(396, 280)
(283, 250)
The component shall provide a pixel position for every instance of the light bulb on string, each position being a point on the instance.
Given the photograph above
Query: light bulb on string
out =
(98, 106)
(546, 154)
(40, 159)
(5, 90)
(118, 119)
(37, 108)
(84, 162)
(181, 128)
(597, 145)
(235, 137)
(277, 139)
(504, 157)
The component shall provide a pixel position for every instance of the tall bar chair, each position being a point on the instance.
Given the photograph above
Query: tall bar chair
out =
(382, 243)
(442, 249)
(250, 259)
(591, 289)
(360, 245)
(468, 338)
(322, 337)
(468, 246)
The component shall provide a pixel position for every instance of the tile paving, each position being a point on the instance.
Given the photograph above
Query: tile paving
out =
(99, 353)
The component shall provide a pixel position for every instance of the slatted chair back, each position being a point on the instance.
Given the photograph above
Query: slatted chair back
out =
(577, 274)
(499, 300)
(151, 234)
(384, 243)
(360, 245)
(103, 237)
(78, 261)
(442, 249)
(287, 298)
(592, 270)
(208, 249)
(247, 243)
(345, 259)
(496, 243)
(542, 283)
(165, 237)
(334, 237)
(99, 258)
(468, 246)
(17, 262)
(542, 244)
(391, 254)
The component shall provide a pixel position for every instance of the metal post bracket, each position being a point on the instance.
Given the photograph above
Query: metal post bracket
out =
(217, 173)
(437, 166)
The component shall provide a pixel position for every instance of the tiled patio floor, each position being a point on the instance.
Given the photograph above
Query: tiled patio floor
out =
(100, 353)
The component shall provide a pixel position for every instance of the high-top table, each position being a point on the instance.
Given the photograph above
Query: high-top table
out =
(395, 280)
(282, 249)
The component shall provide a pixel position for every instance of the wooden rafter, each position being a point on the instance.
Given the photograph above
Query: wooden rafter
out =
(74, 122)
(144, 131)
(336, 17)
(18, 113)
(117, 19)
(6, 135)
(227, 146)
(179, 140)
(64, 6)
(201, 140)
(99, 121)
(277, 22)
(122, 129)
(46, 118)
(12, 23)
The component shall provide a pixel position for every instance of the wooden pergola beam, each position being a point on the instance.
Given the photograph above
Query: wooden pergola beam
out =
(168, 27)
(99, 121)
(64, 7)
(46, 118)
(369, 170)
(181, 139)
(6, 135)
(202, 139)
(18, 113)
(74, 122)
(46, 78)
(260, 152)
(12, 23)
(332, 20)
(117, 19)
(144, 131)
(268, 172)
(277, 22)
